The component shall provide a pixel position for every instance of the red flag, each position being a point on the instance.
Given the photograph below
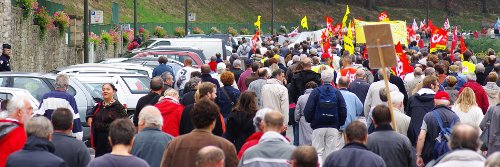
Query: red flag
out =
(404, 66)
(463, 48)
(446, 25)
(422, 25)
(383, 16)
(360, 18)
(326, 42)
(337, 29)
(255, 39)
(412, 36)
(430, 26)
(439, 39)
(453, 43)
(329, 25)
(365, 54)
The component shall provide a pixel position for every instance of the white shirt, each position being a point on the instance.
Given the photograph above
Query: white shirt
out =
(183, 75)
(473, 117)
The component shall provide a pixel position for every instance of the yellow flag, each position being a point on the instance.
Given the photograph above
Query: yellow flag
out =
(257, 23)
(345, 16)
(303, 22)
(348, 41)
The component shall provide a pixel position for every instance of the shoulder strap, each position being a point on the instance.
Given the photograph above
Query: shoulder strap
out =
(97, 109)
(438, 119)
(227, 95)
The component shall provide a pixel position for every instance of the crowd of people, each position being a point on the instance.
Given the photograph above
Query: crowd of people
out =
(236, 112)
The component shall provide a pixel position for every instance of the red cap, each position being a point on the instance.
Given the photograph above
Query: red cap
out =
(442, 95)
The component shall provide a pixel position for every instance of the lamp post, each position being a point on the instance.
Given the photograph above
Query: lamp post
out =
(85, 31)
(272, 19)
(186, 16)
(135, 18)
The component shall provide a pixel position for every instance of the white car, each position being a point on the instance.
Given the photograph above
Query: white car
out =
(130, 87)
(117, 67)
(8, 93)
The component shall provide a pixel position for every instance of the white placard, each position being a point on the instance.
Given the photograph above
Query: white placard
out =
(192, 16)
(96, 17)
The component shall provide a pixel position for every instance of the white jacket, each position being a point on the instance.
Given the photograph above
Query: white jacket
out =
(275, 96)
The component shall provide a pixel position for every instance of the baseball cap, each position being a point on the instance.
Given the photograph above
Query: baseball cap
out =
(442, 95)
(6, 46)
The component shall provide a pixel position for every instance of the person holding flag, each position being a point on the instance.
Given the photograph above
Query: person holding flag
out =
(383, 17)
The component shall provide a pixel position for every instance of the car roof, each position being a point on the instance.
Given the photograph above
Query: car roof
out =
(29, 74)
(110, 75)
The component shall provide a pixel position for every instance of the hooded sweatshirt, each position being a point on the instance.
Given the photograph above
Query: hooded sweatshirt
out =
(171, 112)
(418, 105)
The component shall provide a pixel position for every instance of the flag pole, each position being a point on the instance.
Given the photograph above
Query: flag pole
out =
(386, 81)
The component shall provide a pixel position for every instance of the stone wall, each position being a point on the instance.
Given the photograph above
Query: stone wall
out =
(5, 20)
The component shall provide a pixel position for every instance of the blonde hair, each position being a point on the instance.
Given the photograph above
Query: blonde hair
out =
(466, 100)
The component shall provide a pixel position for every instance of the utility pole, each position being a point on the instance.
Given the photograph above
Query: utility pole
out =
(272, 19)
(135, 18)
(428, 6)
(186, 16)
(85, 31)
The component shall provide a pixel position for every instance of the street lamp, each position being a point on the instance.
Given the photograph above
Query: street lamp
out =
(85, 31)
(135, 18)
(272, 19)
(186, 16)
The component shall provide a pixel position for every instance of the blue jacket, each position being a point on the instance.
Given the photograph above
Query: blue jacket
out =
(312, 106)
(161, 69)
(223, 102)
(149, 144)
(354, 155)
(57, 99)
(354, 107)
(37, 152)
(460, 78)
(208, 78)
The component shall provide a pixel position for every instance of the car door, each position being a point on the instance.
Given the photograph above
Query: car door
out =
(36, 86)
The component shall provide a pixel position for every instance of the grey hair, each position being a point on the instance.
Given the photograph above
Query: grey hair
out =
(397, 97)
(213, 58)
(360, 73)
(327, 76)
(380, 74)
(16, 103)
(259, 117)
(39, 127)
(221, 67)
(151, 116)
(429, 71)
(493, 160)
(62, 81)
(209, 155)
(237, 63)
(480, 67)
(171, 92)
(471, 76)
(296, 58)
(166, 75)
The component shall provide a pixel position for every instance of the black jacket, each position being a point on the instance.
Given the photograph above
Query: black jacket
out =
(4, 63)
(188, 98)
(449, 119)
(401, 86)
(360, 88)
(298, 83)
(71, 150)
(150, 99)
(186, 125)
(37, 152)
(208, 78)
(354, 155)
(239, 128)
(417, 107)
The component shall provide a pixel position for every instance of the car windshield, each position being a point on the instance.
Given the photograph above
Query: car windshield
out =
(137, 84)
(145, 44)
(94, 89)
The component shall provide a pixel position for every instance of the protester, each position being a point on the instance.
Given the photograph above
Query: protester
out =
(255, 137)
(300, 78)
(38, 150)
(67, 147)
(19, 111)
(256, 86)
(208, 90)
(121, 136)
(190, 91)
(59, 98)
(354, 106)
(168, 80)
(100, 118)
(412, 84)
(253, 76)
(275, 95)
(392, 146)
(184, 74)
(383, 98)
(171, 112)
(420, 104)
(326, 111)
(455, 72)
(236, 69)
(467, 65)
(240, 120)
(466, 108)
(206, 77)
(402, 120)
(431, 128)
(156, 86)
(354, 153)
(360, 86)
(227, 96)
(210, 156)
(451, 81)
(241, 81)
(481, 76)
(305, 131)
(491, 124)
(150, 142)
(273, 149)
(481, 95)
(492, 89)
(372, 98)
(212, 64)
(305, 156)
(181, 150)
(163, 67)
(244, 49)
(5, 58)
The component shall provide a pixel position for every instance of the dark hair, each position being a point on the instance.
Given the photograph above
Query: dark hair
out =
(381, 114)
(439, 68)
(467, 55)
(356, 131)
(262, 72)
(217, 55)
(247, 103)
(428, 81)
(382, 94)
(156, 84)
(204, 113)
(162, 60)
(462, 137)
(343, 81)
(305, 156)
(62, 119)
(298, 67)
(276, 73)
(111, 85)
(311, 85)
(255, 66)
(121, 131)
(195, 74)
(205, 88)
(205, 69)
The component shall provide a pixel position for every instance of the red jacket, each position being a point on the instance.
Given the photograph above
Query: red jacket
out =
(12, 140)
(213, 65)
(481, 95)
(250, 142)
(171, 111)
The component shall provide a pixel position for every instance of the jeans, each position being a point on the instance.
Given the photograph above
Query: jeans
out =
(295, 133)
(326, 141)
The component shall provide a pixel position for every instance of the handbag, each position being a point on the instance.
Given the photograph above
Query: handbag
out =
(486, 133)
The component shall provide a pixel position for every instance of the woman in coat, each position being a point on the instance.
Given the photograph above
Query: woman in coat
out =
(491, 123)
(240, 120)
(492, 88)
(305, 131)
(466, 108)
(227, 96)
(103, 114)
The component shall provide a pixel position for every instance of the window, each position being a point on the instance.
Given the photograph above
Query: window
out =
(3, 81)
(163, 43)
(36, 86)
(71, 91)
(137, 85)
(4, 96)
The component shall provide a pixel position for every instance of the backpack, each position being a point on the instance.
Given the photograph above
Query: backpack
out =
(243, 51)
(327, 108)
(441, 142)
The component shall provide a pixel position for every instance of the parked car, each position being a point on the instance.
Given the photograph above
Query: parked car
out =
(7, 93)
(150, 62)
(130, 87)
(210, 46)
(173, 55)
(118, 67)
(172, 48)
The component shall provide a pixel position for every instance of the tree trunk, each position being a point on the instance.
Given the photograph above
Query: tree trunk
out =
(369, 4)
(484, 7)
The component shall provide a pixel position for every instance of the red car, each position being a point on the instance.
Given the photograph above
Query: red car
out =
(173, 55)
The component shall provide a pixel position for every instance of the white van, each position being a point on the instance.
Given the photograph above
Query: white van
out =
(210, 46)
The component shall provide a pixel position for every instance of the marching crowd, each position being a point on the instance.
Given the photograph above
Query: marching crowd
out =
(236, 112)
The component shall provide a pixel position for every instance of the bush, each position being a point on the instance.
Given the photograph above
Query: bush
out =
(244, 31)
(106, 39)
(480, 46)
(159, 32)
(145, 34)
(96, 40)
(214, 30)
(179, 32)
(198, 30)
(283, 30)
(115, 37)
(61, 21)
(128, 36)
(42, 19)
(28, 6)
(232, 31)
